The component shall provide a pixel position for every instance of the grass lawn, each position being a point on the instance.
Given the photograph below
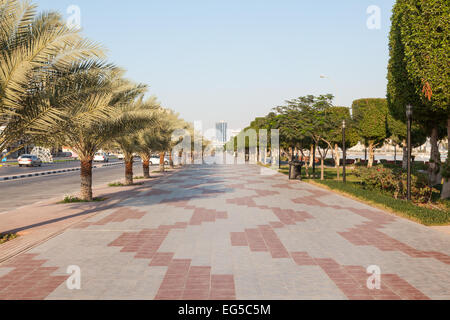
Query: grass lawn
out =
(432, 215)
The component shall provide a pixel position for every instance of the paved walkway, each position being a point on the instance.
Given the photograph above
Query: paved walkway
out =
(233, 233)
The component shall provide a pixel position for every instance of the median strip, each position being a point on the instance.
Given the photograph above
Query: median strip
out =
(44, 173)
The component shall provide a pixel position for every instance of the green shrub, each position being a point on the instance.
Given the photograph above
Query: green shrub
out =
(394, 182)
(7, 237)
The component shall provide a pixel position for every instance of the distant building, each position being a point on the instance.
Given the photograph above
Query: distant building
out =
(222, 132)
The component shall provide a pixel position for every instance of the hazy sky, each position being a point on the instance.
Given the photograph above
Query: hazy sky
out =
(234, 60)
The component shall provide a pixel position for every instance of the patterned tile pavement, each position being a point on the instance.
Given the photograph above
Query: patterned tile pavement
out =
(230, 232)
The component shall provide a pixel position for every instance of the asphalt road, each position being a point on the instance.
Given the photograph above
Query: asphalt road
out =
(18, 193)
(6, 171)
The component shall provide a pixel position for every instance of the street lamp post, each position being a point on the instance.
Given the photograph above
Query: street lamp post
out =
(409, 115)
(344, 151)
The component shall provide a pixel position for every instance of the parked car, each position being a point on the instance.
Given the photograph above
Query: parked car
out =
(155, 160)
(29, 160)
(120, 156)
(101, 157)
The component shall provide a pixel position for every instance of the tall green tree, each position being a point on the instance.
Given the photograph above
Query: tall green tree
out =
(313, 120)
(419, 69)
(371, 119)
(288, 123)
(335, 139)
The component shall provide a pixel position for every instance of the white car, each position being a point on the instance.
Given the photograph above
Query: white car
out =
(120, 156)
(156, 161)
(29, 160)
(101, 157)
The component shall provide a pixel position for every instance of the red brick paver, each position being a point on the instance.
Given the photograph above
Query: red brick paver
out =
(229, 232)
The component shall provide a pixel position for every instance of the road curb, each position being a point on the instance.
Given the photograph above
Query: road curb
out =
(51, 172)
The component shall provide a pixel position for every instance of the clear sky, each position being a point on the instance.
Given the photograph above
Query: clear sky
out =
(234, 60)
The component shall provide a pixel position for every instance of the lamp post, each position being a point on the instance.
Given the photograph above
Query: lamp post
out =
(344, 151)
(409, 115)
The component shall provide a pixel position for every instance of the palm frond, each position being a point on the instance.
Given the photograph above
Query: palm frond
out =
(36, 49)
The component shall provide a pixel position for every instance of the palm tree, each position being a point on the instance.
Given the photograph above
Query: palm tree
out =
(149, 141)
(147, 138)
(34, 50)
(95, 104)
(159, 139)
(130, 143)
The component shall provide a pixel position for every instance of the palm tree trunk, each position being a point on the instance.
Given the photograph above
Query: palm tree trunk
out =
(162, 167)
(128, 170)
(86, 179)
(446, 188)
(146, 166)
